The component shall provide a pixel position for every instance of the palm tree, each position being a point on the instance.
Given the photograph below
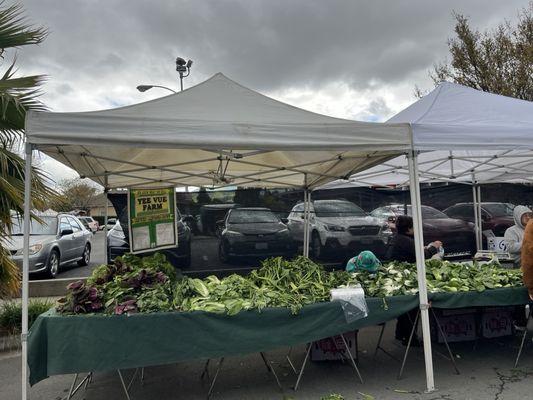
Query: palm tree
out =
(17, 95)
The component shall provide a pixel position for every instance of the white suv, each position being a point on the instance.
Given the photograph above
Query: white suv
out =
(339, 228)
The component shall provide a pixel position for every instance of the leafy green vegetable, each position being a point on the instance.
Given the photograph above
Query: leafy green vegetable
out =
(149, 284)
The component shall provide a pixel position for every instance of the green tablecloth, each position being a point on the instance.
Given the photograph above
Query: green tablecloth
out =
(59, 344)
(496, 297)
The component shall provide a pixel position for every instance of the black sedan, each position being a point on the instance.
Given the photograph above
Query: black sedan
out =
(254, 233)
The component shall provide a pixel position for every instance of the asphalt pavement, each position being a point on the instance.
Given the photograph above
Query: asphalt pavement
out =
(486, 372)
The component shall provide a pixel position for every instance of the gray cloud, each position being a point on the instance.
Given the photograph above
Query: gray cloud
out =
(267, 45)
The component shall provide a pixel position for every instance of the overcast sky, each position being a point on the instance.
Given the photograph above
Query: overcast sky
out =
(352, 59)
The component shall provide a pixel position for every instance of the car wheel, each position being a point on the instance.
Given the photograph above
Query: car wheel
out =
(86, 256)
(317, 250)
(52, 264)
(223, 253)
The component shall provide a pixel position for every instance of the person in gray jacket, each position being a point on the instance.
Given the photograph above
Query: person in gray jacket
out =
(514, 235)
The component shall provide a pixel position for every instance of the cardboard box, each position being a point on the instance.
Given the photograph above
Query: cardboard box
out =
(457, 328)
(496, 322)
(332, 348)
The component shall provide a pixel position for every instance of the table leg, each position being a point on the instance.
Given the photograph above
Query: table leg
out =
(413, 330)
(219, 366)
(123, 384)
(523, 337)
(351, 357)
(378, 346)
(288, 356)
(71, 391)
(74, 389)
(452, 358)
(270, 369)
(133, 378)
(205, 372)
(303, 367)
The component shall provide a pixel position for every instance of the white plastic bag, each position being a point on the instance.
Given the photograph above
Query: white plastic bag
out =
(352, 301)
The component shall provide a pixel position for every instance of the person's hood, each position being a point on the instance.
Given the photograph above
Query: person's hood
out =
(517, 215)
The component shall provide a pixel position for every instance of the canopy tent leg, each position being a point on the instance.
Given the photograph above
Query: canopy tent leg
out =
(106, 215)
(307, 219)
(25, 268)
(414, 187)
(474, 207)
(479, 219)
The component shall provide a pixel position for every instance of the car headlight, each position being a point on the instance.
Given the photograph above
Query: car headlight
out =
(335, 228)
(232, 233)
(34, 249)
(386, 228)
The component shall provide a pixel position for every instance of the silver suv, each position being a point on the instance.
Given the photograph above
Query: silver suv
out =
(57, 240)
(339, 228)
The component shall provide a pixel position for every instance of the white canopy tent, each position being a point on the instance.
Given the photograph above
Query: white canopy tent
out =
(466, 136)
(220, 133)
(217, 133)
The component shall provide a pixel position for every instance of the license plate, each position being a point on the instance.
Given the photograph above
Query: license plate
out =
(367, 241)
(261, 246)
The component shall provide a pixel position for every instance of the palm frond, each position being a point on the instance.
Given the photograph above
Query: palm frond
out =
(17, 95)
(9, 275)
(15, 31)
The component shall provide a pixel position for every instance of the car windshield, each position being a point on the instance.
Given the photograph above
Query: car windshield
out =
(427, 212)
(337, 209)
(252, 216)
(47, 227)
(499, 209)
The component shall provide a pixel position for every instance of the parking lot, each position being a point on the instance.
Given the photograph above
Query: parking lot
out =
(204, 251)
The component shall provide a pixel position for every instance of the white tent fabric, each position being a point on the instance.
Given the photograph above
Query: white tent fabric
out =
(216, 133)
(470, 135)
(456, 117)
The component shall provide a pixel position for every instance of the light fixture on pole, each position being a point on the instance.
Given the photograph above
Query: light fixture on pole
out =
(183, 67)
(144, 88)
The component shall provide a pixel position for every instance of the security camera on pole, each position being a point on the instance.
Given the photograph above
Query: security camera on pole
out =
(184, 69)
(183, 66)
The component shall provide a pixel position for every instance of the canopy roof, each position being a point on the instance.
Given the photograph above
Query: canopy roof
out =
(216, 133)
(477, 136)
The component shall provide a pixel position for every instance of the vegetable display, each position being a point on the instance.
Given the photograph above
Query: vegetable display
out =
(150, 284)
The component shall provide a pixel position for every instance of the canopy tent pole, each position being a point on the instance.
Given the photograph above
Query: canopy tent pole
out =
(307, 218)
(106, 215)
(26, 268)
(479, 219)
(474, 207)
(416, 210)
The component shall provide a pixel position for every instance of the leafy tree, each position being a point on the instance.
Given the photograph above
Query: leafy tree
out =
(17, 95)
(497, 61)
(77, 194)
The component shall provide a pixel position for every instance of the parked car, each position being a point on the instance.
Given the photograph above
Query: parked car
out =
(494, 216)
(118, 244)
(339, 228)
(457, 236)
(91, 223)
(55, 241)
(110, 224)
(254, 232)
